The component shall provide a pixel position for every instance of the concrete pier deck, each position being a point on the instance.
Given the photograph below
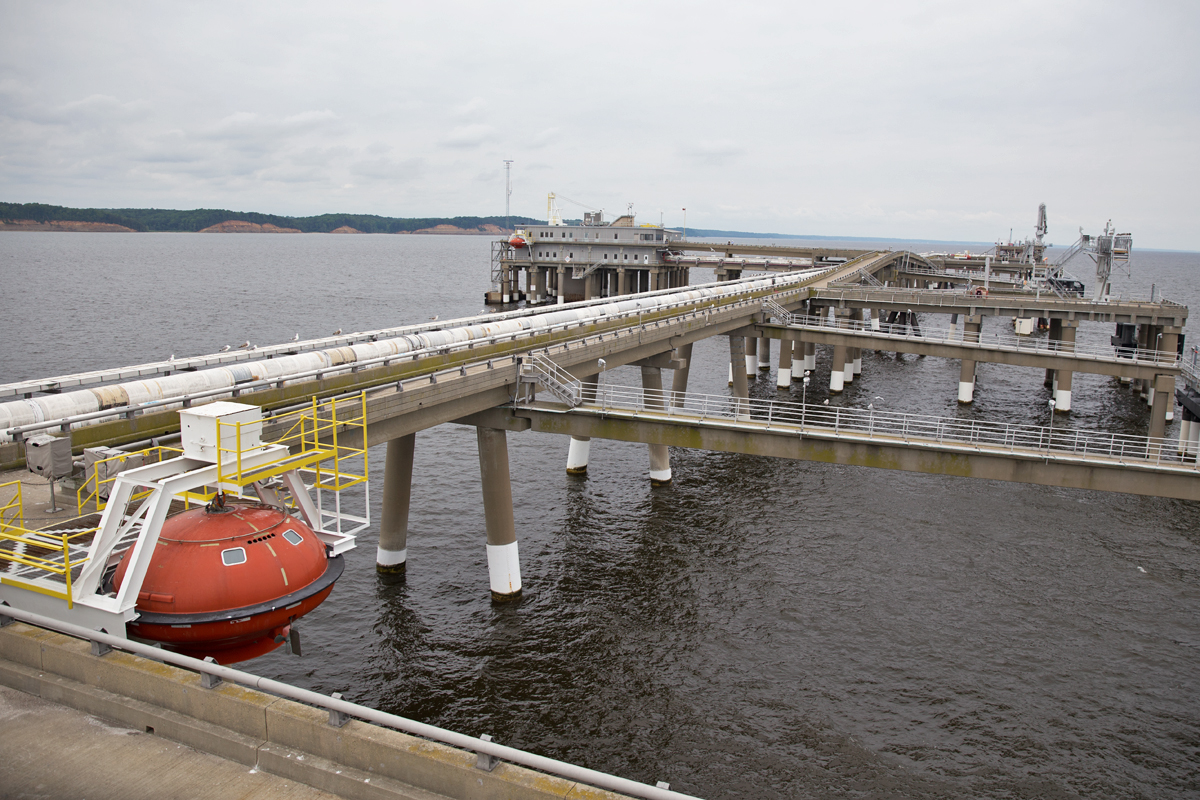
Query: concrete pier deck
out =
(48, 750)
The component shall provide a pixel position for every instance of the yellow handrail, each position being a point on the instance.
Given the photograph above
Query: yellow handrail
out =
(90, 490)
(13, 509)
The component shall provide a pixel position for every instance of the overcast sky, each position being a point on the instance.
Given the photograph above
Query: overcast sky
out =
(933, 120)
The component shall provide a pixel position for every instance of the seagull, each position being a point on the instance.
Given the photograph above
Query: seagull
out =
(600, 362)
(877, 397)
(253, 347)
(434, 317)
(296, 338)
(172, 358)
(338, 332)
(826, 402)
(224, 349)
(870, 406)
(244, 345)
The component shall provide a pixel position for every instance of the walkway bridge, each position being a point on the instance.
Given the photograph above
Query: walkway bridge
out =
(953, 446)
(488, 371)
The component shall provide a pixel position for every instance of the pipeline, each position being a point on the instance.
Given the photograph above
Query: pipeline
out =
(50, 408)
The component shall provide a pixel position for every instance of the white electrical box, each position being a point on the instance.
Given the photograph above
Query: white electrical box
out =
(199, 430)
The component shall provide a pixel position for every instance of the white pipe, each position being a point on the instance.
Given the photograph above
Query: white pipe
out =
(48, 408)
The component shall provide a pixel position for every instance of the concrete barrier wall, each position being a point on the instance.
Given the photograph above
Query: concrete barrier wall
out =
(295, 741)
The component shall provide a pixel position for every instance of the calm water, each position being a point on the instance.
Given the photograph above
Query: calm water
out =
(759, 629)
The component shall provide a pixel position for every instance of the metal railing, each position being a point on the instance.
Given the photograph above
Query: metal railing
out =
(12, 513)
(316, 448)
(345, 709)
(985, 341)
(1001, 438)
(105, 470)
(540, 369)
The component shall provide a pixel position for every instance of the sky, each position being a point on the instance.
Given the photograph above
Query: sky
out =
(920, 120)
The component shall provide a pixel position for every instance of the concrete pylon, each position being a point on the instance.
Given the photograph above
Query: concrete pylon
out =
(764, 353)
(660, 457)
(972, 325)
(752, 357)
(1164, 394)
(1169, 344)
(561, 287)
(810, 356)
(741, 386)
(391, 556)
(504, 563)
(798, 350)
(580, 448)
(783, 380)
(1063, 377)
(837, 371)
(679, 381)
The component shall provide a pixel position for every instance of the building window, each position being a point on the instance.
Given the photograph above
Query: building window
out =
(606, 256)
(614, 236)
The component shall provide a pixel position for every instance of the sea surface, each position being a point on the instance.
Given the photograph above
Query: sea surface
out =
(758, 629)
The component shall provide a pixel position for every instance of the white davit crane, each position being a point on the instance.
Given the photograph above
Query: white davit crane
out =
(1104, 249)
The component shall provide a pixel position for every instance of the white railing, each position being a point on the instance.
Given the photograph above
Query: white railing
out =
(1001, 438)
(540, 369)
(991, 340)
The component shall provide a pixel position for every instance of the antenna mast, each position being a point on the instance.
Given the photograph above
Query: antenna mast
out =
(507, 191)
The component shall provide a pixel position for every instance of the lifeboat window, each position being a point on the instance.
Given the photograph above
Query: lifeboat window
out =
(292, 537)
(234, 555)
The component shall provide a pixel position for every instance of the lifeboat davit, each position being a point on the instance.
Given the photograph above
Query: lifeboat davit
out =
(517, 241)
(228, 581)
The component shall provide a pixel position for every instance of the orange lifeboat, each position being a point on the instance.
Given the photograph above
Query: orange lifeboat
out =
(228, 581)
(517, 241)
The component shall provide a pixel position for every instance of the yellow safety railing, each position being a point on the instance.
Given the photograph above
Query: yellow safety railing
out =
(90, 491)
(314, 436)
(14, 509)
(40, 552)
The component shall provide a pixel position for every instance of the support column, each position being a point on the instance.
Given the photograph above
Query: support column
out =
(561, 288)
(1170, 346)
(751, 357)
(679, 380)
(1062, 390)
(810, 356)
(622, 287)
(837, 371)
(506, 277)
(741, 387)
(798, 361)
(504, 564)
(784, 379)
(966, 376)
(764, 353)
(660, 457)
(581, 446)
(856, 352)
(391, 556)
(1164, 394)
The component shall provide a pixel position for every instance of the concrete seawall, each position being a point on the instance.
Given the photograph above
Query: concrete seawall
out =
(272, 734)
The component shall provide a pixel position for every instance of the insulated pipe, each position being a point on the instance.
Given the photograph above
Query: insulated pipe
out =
(302, 366)
(504, 564)
(660, 457)
(391, 557)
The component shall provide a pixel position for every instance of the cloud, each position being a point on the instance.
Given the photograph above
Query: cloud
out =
(714, 152)
(464, 136)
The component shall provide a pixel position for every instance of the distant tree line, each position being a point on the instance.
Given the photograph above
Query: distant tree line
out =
(163, 219)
